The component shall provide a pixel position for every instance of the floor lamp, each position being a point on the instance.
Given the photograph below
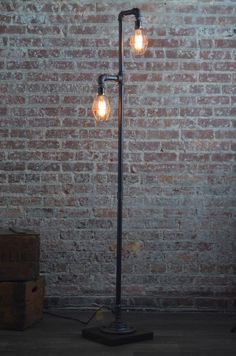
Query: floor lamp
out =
(118, 332)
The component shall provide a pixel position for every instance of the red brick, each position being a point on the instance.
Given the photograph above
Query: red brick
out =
(212, 146)
(43, 53)
(163, 43)
(223, 157)
(12, 145)
(179, 53)
(6, 6)
(162, 135)
(12, 29)
(76, 77)
(79, 30)
(196, 112)
(46, 144)
(43, 30)
(162, 112)
(218, 77)
(158, 66)
(185, 77)
(60, 133)
(166, 156)
(77, 167)
(43, 166)
(227, 20)
(77, 7)
(79, 53)
(205, 43)
(22, 65)
(216, 9)
(38, 99)
(206, 20)
(24, 156)
(59, 168)
(50, 8)
(194, 157)
(44, 77)
(225, 43)
(215, 54)
(182, 31)
(3, 111)
(197, 134)
(12, 166)
(5, 18)
(225, 66)
(225, 111)
(213, 122)
(215, 100)
(58, 156)
(213, 89)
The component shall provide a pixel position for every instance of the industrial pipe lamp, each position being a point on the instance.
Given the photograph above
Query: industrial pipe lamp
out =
(118, 332)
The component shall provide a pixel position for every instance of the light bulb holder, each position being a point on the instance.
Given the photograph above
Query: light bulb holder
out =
(138, 24)
(101, 90)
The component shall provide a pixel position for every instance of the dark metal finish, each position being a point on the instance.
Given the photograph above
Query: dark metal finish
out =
(118, 327)
(116, 339)
(106, 77)
(138, 24)
(135, 11)
(120, 175)
(118, 332)
(103, 78)
(101, 90)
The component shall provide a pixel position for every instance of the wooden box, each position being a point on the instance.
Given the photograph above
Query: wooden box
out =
(21, 304)
(19, 255)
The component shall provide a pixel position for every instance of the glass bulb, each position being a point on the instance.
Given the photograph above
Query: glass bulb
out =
(138, 42)
(101, 108)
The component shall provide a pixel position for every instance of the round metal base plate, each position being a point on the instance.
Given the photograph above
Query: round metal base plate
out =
(118, 327)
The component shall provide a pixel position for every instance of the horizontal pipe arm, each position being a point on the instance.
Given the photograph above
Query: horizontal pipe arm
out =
(106, 77)
(135, 11)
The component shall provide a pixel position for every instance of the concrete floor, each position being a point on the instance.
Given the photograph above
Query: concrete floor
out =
(185, 334)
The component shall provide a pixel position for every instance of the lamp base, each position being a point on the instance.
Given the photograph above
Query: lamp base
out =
(118, 327)
(103, 336)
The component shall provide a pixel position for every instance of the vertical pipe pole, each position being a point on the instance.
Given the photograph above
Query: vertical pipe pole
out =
(120, 174)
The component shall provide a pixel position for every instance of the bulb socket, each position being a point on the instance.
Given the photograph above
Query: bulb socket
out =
(101, 90)
(138, 24)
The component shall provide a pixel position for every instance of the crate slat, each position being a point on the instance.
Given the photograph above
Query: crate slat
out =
(21, 303)
(19, 255)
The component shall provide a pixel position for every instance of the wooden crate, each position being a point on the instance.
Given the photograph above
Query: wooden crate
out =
(21, 304)
(19, 255)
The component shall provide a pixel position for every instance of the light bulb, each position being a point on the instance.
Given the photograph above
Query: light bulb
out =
(138, 42)
(101, 108)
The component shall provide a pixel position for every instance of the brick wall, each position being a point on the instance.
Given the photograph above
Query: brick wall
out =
(58, 169)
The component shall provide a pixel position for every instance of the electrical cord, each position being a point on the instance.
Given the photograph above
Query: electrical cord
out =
(76, 319)
(91, 317)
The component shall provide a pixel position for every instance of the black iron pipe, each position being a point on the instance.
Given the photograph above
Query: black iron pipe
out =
(135, 11)
(103, 78)
(118, 326)
(120, 174)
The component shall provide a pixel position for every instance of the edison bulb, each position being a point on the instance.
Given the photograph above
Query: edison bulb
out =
(101, 108)
(138, 42)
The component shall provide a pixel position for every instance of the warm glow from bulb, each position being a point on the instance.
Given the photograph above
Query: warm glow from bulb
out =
(138, 42)
(101, 108)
